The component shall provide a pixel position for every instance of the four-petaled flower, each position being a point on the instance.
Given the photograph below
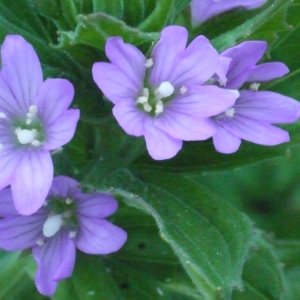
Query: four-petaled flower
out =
(164, 97)
(202, 10)
(34, 119)
(251, 116)
(68, 219)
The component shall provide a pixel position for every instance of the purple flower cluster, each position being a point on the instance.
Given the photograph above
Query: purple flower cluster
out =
(164, 98)
(191, 93)
(251, 116)
(68, 220)
(202, 10)
(51, 216)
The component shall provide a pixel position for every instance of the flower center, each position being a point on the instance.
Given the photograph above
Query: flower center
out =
(29, 131)
(151, 101)
(52, 225)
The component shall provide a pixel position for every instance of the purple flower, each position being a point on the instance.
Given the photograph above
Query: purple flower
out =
(202, 10)
(34, 119)
(68, 219)
(251, 116)
(163, 98)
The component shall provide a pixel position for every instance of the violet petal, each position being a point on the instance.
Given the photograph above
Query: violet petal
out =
(98, 236)
(32, 181)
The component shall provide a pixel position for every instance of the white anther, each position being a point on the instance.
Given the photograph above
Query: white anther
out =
(145, 92)
(33, 109)
(254, 86)
(45, 203)
(40, 242)
(25, 136)
(159, 107)
(72, 234)
(165, 89)
(52, 225)
(183, 90)
(149, 63)
(147, 107)
(142, 100)
(1, 146)
(230, 112)
(2, 115)
(36, 143)
(28, 121)
(69, 200)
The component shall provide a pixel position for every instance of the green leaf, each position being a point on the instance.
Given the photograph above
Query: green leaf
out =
(212, 241)
(289, 254)
(261, 275)
(164, 14)
(264, 25)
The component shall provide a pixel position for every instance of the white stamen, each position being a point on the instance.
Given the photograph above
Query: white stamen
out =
(36, 143)
(69, 200)
(147, 107)
(149, 63)
(142, 99)
(72, 234)
(165, 89)
(159, 107)
(45, 203)
(230, 112)
(183, 90)
(254, 86)
(33, 109)
(40, 242)
(52, 225)
(145, 92)
(2, 115)
(28, 121)
(1, 146)
(25, 136)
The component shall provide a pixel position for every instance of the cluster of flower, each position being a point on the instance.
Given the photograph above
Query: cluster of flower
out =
(177, 94)
(191, 93)
(51, 216)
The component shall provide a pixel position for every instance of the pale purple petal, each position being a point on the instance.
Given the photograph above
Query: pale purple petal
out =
(130, 118)
(55, 260)
(62, 130)
(244, 57)
(267, 106)
(21, 70)
(32, 181)
(7, 207)
(53, 99)
(184, 127)
(98, 236)
(115, 84)
(196, 65)
(167, 53)
(267, 72)
(202, 10)
(225, 142)
(127, 58)
(203, 101)
(64, 186)
(97, 205)
(160, 145)
(9, 159)
(222, 70)
(254, 131)
(21, 232)
(8, 104)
